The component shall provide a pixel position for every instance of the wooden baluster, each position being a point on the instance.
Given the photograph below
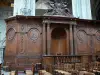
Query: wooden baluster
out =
(63, 59)
(67, 59)
(75, 59)
(71, 59)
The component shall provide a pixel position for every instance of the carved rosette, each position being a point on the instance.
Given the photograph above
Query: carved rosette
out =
(33, 34)
(11, 34)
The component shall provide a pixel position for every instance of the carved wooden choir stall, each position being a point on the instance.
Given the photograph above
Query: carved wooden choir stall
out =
(35, 39)
(56, 42)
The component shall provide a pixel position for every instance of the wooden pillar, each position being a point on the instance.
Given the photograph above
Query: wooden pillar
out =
(71, 40)
(74, 37)
(48, 39)
(67, 41)
(44, 39)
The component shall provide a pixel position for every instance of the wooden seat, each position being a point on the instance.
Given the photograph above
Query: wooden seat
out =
(13, 73)
(86, 73)
(41, 72)
(29, 72)
(78, 66)
(89, 73)
(75, 72)
(44, 72)
(62, 72)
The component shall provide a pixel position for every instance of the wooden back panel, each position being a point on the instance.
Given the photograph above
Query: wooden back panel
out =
(86, 38)
(24, 42)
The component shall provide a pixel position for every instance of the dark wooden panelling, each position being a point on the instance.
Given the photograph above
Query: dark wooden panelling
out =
(24, 43)
(87, 39)
(28, 39)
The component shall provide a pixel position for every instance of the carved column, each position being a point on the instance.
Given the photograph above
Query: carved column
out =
(44, 38)
(74, 37)
(48, 39)
(67, 41)
(71, 39)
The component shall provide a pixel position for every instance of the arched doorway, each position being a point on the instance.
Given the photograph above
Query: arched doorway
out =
(58, 41)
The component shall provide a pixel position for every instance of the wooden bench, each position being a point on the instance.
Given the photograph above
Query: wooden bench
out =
(13, 73)
(44, 72)
(61, 72)
(29, 72)
(89, 73)
(86, 73)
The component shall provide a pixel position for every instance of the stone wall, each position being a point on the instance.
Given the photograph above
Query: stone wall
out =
(5, 12)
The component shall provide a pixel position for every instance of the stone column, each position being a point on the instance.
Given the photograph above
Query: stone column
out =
(81, 9)
(24, 7)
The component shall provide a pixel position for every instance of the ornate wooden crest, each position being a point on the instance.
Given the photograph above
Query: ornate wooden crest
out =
(58, 7)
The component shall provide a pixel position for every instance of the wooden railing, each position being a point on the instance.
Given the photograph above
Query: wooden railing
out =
(63, 58)
(52, 62)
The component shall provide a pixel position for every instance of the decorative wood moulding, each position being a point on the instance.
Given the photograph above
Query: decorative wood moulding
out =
(59, 21)
(11, 34)
(80, 35)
